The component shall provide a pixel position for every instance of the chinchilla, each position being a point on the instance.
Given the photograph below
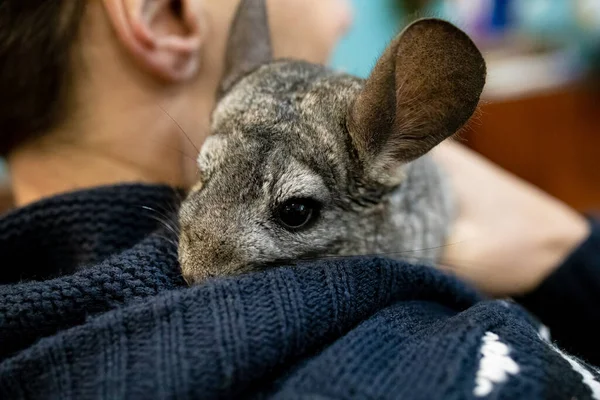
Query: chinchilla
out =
(304, 162)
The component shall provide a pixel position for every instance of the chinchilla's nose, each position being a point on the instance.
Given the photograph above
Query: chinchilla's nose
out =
(197, 274)
(208, 256)
(194, 279)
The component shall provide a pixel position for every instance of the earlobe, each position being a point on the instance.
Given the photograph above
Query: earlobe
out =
(163, 36)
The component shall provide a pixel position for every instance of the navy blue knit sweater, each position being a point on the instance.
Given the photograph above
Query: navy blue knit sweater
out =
(92, 306)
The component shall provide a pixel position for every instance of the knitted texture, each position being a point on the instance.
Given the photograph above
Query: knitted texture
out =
(569, 299)
(96, 242)
(124, 327)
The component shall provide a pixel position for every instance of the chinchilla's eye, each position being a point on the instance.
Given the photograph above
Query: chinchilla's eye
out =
(297, 213)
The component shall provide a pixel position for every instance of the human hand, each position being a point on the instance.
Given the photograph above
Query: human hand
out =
(509, 235)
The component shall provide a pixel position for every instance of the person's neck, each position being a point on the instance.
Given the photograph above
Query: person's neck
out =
(148, 152)
(35, 176)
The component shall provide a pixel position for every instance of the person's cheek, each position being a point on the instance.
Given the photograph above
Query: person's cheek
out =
(344, 16)
(332, 19)
(308, 29)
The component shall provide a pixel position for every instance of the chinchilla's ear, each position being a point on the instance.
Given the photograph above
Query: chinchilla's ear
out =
(423, 89)
(249, 43)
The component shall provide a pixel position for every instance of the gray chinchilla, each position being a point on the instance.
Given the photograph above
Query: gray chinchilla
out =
(304, 162)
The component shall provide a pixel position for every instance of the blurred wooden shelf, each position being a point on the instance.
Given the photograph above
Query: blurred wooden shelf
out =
(514, 73)
(551, 139)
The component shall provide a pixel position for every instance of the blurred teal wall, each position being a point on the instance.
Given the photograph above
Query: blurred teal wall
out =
(375, 24)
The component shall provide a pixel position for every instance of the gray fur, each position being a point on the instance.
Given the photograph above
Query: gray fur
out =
(281, 132)
(291, 143)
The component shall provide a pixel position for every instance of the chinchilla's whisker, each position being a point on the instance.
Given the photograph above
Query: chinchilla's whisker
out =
(448, 265)
(169, 241)
(162, 214)
(163, 219)
(167, 232)
(183, 153)
(172, 207)
(165, 224)
(333, 256)
(180, 128)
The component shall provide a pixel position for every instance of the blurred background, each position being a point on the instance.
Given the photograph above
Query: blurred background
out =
(541, 109)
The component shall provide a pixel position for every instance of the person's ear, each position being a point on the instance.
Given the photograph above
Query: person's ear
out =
(163, 36)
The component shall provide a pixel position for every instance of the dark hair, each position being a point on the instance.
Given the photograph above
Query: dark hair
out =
(36, 41)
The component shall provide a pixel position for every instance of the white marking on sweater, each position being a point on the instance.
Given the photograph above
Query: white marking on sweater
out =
(587, 377)
(504, 303)
(495, 365)
(544, 333)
